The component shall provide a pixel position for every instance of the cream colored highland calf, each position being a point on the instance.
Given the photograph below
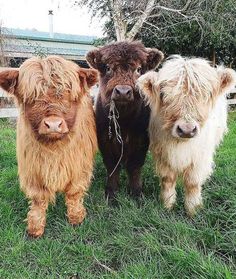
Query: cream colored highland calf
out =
(56, 135)
(188, 121)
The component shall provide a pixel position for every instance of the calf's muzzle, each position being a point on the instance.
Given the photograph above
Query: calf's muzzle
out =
(53, 125)
(187, 130)
(122, 93)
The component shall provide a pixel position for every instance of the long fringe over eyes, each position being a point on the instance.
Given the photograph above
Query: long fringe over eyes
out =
(37, 75)
(189, 77)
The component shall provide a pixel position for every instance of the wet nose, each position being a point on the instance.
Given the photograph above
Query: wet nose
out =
(54, 125)
(123, 91)
(187, 130)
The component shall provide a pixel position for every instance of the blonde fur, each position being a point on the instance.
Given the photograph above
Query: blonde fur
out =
(194, 91)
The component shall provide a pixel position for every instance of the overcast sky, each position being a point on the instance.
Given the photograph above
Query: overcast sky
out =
(34, 14)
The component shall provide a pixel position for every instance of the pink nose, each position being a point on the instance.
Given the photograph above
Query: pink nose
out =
(186, 130)
(53, 124)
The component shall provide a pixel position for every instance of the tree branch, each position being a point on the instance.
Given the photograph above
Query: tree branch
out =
(139, 23)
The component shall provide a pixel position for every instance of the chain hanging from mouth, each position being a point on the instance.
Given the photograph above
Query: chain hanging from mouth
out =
(113, 117)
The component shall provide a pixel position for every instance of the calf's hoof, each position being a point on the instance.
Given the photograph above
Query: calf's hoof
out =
(110, 196)
(192, 205)
(36, 223)
(77, 217)
(136, 193)
(35, 230)
(35, 233)
(168, 199)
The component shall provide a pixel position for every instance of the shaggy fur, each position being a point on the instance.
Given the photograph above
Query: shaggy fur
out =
(120, 64)
(186, 91)
(59, 163)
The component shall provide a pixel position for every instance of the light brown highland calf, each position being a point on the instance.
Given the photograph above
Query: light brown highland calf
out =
(56, 135)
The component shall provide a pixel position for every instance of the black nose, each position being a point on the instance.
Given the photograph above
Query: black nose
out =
(121, 91)
(186, 131)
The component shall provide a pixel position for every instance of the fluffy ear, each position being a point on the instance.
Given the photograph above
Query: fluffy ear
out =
(8, 80)
(93, 58)
(88, 77)
(227, 79)
(146, 83)
(154, 58)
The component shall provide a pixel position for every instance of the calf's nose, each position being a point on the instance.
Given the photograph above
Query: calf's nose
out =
(53, 124)
(123, 91)
(187, 130)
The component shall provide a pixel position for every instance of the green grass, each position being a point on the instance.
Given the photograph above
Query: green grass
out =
(128, 241)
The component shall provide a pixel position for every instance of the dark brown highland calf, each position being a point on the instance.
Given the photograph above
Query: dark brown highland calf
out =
(121, 116)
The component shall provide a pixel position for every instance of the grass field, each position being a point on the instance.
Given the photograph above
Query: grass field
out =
(128, 241)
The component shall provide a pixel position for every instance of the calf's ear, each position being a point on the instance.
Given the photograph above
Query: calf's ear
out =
(227, 79)
(93, 58)
(8, 80)
(154, 58)
(88, 77)
(146, 83)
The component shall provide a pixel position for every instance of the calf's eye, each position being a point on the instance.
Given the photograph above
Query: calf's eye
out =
(161, 95)
(108, 70)
(139, 70)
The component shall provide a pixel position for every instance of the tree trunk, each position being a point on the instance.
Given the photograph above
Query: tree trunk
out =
(213, 57)
(119, 22)
(143, 17)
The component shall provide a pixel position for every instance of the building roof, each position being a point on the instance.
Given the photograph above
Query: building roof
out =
(29, 48)
(25, 43)
(44, 36)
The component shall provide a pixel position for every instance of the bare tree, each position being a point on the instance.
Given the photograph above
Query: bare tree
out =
(130, 16)
(121, 21)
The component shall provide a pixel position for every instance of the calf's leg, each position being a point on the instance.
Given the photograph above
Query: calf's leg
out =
(136, 159)
(36, 217)
(168, 183)
(112, 184)
(193, 197)
(113, 174)
(76, 211)
(194, 177)
(135, 182)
